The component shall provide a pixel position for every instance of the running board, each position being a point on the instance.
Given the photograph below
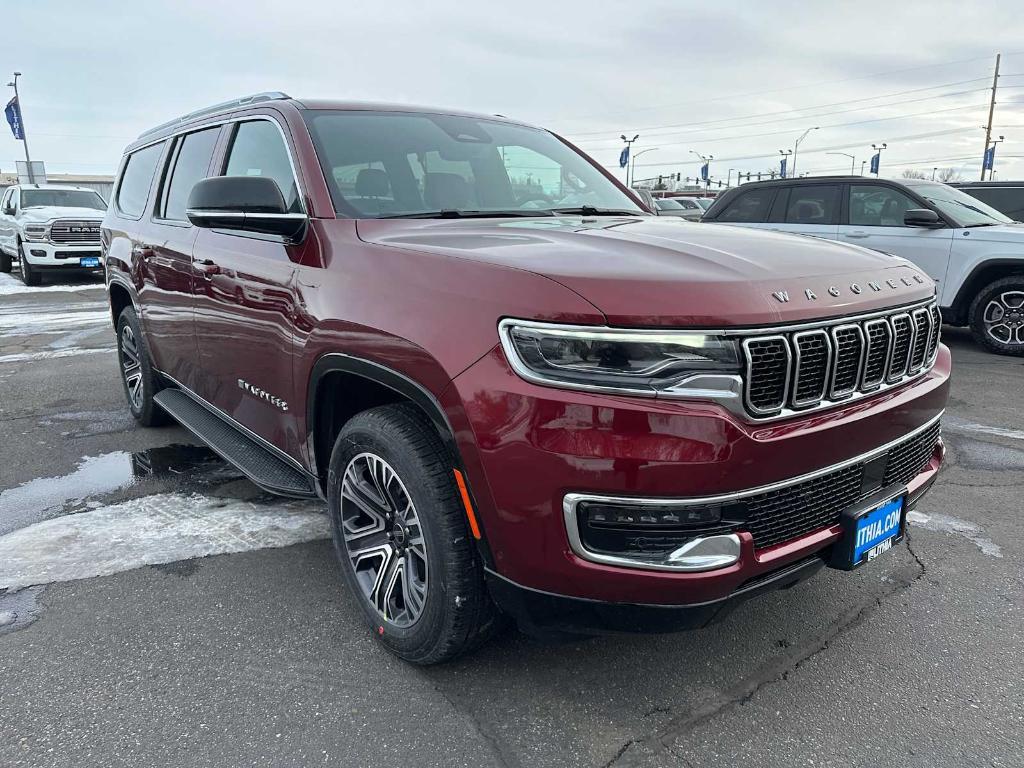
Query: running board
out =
(255, 461)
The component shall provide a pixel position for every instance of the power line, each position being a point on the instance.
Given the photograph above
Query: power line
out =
(803, 109)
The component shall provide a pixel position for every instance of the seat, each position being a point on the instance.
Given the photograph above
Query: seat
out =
(372, 192)
(444, 191)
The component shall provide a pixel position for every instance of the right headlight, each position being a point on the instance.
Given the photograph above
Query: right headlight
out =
(36, 232)
(639, 362)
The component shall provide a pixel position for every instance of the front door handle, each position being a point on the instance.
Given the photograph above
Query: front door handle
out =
(857, 234)
(207, 267)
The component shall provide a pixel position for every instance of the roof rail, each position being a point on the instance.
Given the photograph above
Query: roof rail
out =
(245, 101)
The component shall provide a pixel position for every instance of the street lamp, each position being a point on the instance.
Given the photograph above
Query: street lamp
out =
(728, 179)
(853, 161)
(629, 146)
(796, 145)
(992, 168)
(634, 157)
(705, 161)
(878, 149)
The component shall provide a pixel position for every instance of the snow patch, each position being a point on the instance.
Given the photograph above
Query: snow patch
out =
(162, 528)
(9, 285)
(949, 524)
(22, 357)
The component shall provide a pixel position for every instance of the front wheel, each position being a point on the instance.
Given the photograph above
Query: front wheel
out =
(997, 316)
(401, 534)
(28, 275)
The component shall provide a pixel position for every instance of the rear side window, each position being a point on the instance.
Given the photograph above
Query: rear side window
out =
(137, 178)
(258, 149)
(1008, 200)
(191, 163)
(816, 204)
(749, 207)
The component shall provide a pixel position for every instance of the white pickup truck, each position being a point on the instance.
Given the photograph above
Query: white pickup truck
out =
(47, 227)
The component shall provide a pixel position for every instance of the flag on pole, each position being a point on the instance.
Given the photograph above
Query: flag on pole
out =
(782, 168)
(624, 157)
(13, 114)
(875, 161)
(990, 158)
(704, 172)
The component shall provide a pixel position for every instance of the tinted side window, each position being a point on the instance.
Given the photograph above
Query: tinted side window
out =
(190, 164)
(876, 206)
(816, 204)
(750, 207)
(1008, 200)
(133, 191)
(259, 150)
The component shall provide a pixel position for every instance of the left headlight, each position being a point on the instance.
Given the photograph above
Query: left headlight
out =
(37, 232)
(625, 361)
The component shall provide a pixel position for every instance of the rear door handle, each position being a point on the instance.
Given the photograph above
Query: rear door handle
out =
(207, 267)
(857, 234)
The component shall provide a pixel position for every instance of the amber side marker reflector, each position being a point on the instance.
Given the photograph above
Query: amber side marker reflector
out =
(465, 502)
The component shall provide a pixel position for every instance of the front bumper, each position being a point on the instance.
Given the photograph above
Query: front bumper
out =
(48, 255)
(526, 447)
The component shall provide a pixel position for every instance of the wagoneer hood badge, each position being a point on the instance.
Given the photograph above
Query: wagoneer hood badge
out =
(855, 288)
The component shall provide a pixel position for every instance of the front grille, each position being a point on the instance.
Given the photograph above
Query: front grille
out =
(810, 367)
(796, 510)
(67, 231)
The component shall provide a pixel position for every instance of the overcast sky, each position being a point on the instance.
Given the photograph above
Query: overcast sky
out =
(735, 80)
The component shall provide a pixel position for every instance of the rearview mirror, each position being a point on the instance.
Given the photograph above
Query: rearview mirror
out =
(921, 217)
(247, 203)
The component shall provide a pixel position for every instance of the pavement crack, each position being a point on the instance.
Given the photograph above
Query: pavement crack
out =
(618, 755)
(503, 754)
(775, 672)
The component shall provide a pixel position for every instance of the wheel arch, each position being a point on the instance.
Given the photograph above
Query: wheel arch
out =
(981, 275)
(120, 295)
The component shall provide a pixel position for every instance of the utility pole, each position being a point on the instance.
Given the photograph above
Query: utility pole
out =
(24, 134)
(991, 112)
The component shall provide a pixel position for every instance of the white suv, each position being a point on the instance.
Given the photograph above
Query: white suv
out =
(49, 227)
(973, 252)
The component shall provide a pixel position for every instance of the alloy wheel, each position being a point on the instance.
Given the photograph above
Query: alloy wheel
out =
(383, 539)
(1004, 318)
(131, 366)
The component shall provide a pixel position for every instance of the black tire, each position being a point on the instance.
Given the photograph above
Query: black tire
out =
(5, 262)
(131, 346)
(456, 614)
(1006, 337)
(28, 275)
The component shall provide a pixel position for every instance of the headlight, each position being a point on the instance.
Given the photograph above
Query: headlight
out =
(36, 232)
(635, 362)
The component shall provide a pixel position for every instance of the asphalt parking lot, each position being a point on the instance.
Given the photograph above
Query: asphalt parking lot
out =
(161, 611)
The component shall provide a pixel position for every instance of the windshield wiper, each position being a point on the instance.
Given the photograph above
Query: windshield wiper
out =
(589, 210)
(453, 213)
(983, 224)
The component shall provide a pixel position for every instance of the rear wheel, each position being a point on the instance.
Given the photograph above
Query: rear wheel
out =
(997, 316)
(401, 534)
(137, 375)
(28, 275)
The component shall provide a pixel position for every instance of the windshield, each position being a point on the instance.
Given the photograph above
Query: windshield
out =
(386, 164)
(965, 210)
(62, 198)
(668, 205)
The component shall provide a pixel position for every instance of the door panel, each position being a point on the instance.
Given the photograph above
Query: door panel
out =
(245, 307)
(875, 218)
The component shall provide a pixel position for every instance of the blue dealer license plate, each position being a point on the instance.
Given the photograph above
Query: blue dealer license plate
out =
(870, 530)
(89, 261)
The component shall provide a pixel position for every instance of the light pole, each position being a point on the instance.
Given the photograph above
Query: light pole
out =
(796, 146)
(878, 149)
(862, 164)
(629, 149)
(24, 136)
(728, 179)
(934, 171)
(853, 161)
(706, 161)
(785, 154)
(634, 157)
(992, 168)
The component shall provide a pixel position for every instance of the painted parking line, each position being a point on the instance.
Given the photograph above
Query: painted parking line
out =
(957, 425)
(162, 528)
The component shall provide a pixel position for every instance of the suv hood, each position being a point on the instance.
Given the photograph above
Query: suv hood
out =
(645, 271)
(999, 233)
(48, 213)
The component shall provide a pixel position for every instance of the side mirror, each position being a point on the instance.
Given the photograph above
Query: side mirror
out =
(9, 210)
(246, 203)
(921, 217)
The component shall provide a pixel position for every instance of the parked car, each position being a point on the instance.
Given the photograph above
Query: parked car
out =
(974, 253)
(568, 412)
(1007, 197)
(645, 197)
(704, 202)
(682, 207)
(50, 228)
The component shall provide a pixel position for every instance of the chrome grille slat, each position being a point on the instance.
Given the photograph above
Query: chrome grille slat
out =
(812, 367)
(75, 232)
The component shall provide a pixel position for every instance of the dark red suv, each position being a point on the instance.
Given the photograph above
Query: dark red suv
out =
(519, 392)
